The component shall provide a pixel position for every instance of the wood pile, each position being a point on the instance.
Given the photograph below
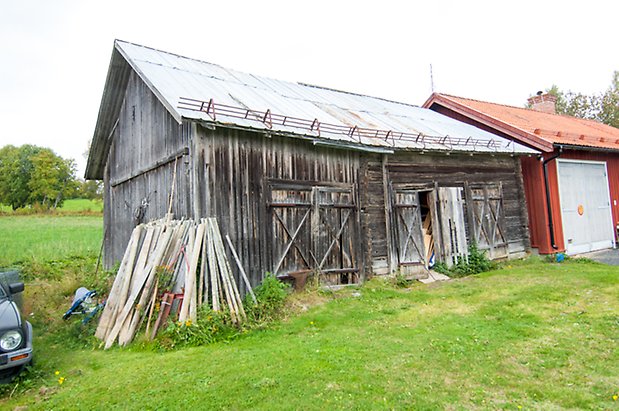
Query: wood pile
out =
(428, 238)
(173, 267)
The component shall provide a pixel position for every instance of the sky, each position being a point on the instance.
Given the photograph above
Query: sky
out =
(54, 55)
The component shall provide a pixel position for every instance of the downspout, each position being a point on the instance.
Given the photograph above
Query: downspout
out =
(548, 205)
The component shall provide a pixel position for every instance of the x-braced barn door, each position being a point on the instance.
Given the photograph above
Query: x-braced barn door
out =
(314, 228)
(406, 225)
(486, 218)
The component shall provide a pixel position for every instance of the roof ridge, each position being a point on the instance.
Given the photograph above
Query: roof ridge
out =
(356, 94)
(170, 53)
(300, 83)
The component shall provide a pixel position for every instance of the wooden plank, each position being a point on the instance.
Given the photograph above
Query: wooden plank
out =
(189, 305)
(387, 197)
(193, 303)
(228, 295)
(237, 302)
(213, 270)
(136, 315)
(144, 274)
(241, 270)
(203, 265)
(111, 308)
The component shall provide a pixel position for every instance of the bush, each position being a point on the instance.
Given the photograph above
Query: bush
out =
(400, 280)
(271, 297)
(211, 326)
(476, 262)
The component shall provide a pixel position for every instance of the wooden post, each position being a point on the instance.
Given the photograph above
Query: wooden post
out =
(388, 213)
(241, 269)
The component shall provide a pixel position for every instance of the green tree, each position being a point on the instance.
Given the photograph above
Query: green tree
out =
(90, 189)
(31, 174)
(602, 107)
(15, 173)
(52, 179)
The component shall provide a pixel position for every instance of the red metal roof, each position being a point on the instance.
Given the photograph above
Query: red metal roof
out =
(538, 129)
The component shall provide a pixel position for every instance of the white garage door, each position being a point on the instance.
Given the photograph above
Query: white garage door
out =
(585, 206)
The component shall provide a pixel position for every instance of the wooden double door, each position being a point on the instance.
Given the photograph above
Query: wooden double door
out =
(438, 224)
(315, 228)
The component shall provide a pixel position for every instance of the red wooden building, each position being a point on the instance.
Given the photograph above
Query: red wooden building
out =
(572, 188)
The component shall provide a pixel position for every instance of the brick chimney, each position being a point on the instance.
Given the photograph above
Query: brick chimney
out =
(543, 102)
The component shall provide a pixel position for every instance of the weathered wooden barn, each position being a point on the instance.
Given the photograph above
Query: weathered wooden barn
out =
(300, 177)
(572, 189)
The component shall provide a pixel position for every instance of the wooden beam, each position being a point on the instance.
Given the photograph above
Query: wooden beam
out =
(182, 152)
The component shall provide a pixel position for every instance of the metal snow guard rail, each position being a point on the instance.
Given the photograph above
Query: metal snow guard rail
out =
(314, 126)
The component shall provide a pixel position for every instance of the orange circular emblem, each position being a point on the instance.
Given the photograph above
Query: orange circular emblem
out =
(581, 210)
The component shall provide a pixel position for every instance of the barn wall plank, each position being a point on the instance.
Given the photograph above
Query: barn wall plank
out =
(243, 166)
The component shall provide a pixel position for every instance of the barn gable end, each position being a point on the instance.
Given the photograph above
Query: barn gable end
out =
(146, 146)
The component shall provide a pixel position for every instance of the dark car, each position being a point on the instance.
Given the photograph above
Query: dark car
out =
(15, 333)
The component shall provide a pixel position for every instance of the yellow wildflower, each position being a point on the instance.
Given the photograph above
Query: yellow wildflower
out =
(60, 380)
(615, 397)
(188, 323)
(57, 373)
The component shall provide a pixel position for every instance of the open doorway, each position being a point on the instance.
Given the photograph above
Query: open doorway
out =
(425, 202)
(428, 226)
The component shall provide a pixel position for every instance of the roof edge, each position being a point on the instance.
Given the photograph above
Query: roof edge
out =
(523, 137)
(168, 105)
(109, 108)
(350, 145)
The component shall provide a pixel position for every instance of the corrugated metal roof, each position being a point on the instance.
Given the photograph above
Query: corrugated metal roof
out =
(347, 118)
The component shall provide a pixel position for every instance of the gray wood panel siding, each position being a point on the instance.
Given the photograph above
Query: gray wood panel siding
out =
(146, 144)
(145, 134)
(236, 174)
(428, 170)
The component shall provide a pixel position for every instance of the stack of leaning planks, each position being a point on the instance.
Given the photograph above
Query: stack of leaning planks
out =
(428, 238)
(170, 266)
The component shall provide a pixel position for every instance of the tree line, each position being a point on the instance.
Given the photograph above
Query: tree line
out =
(602, 107)
(32, 175)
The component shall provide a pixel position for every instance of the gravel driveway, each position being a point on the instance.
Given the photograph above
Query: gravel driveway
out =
(609, 256)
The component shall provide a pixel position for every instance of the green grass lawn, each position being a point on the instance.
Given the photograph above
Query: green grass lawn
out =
(43, 237)
(70, 206)
(81, 205)
(533, 335)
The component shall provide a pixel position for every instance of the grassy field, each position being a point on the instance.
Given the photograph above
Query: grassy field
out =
(81, 205)
(534, 335)
(41, 238)
(70, 206)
